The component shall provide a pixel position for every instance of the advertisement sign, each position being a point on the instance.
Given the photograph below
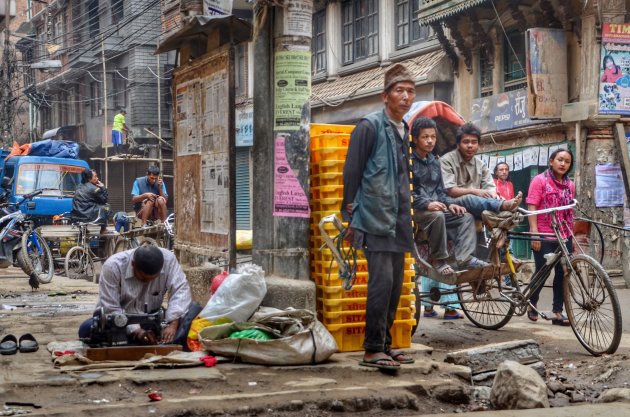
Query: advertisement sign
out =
(245, 125)
(289, 198)
(292, 88)
(298, 18)
(546, 72)
(614, 72)
(217, 7)
(502, 111)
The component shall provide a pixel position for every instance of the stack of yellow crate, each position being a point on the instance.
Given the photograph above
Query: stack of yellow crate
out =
(343, 312)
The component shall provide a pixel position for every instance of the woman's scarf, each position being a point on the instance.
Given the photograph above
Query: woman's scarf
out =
(557, 194)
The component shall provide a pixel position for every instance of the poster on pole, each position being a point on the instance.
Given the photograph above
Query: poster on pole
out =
(289, 198)
(217, 7)
(609, 188)
(546, 72)
(298, 18)
(245, 125)
(292, 88)
(614, 69)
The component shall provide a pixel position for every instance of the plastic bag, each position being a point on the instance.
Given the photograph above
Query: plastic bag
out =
(298, 339)
(238, 297)
(235, 299)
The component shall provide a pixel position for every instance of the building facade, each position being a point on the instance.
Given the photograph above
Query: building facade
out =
(88, 59)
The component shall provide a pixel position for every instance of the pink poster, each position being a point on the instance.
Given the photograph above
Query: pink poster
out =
(289, 198)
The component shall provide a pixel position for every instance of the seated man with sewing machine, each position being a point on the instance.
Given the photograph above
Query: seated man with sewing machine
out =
(132, 287)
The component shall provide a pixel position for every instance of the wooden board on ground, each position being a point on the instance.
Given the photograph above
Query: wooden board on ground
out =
(129, 353)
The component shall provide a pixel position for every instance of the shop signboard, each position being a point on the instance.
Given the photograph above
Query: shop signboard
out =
(503, 111)
(614, 69)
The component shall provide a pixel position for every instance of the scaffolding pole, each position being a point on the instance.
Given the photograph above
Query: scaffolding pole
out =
(105, 141)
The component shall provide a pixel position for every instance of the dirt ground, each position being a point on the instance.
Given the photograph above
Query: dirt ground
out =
(57, 318)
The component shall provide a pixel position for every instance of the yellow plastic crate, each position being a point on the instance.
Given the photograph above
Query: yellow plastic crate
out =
(341, 140)
(324, 267)
(330, 129)
(323, 154)
(333, 280)
(326, 204)
(328, 178)
(355, 304)
(350, 336)
(327, 191)
(345, 317)
(332, 166)
(357, 291)
(321, 266)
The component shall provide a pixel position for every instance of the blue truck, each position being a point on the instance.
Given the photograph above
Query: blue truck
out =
(58, 177)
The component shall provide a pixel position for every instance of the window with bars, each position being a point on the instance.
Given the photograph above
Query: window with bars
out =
(514, 60)
(359, 30)
(117, 11)
(485, 76)
(118, 97)
(408, 28)
(93, 18)
(96, 99)
(319, 42)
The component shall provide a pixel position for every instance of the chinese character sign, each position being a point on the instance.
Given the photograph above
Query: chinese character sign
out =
(614, 70)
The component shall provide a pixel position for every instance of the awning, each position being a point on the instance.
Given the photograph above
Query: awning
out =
(199, 27)
(440, 9)
(426, 68)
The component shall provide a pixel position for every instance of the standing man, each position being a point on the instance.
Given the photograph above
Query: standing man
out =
(376, 203)
(468, 180)
(118, 128)
(149, 196)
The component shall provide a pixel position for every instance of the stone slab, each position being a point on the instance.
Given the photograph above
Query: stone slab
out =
(283, 293)
(200, 280)
(487, 358)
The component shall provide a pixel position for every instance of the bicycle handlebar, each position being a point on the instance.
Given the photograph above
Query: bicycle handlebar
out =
(25, 197)
(548, 210)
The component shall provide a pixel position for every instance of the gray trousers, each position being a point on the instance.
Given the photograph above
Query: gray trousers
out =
(441, 226)
(386, 272)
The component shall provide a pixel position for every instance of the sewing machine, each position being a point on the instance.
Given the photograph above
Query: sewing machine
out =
(111, 329)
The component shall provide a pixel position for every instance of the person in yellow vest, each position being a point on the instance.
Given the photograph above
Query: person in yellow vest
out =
(118, 128)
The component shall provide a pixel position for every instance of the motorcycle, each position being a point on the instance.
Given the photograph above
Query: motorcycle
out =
(21, 244)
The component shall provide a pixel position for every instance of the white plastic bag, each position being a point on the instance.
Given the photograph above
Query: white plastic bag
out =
(238, 296)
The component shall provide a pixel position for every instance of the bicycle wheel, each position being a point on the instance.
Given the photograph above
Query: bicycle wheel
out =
(125, 244)
(34, 256)
(592, 306)
(483, 305)
(144, 240)
(79, 264)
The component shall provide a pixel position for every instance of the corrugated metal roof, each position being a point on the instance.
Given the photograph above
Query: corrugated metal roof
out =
(369, 81)
(434, 10)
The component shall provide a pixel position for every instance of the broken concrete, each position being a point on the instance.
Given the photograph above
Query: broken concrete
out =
(517, 386)
(614, 395)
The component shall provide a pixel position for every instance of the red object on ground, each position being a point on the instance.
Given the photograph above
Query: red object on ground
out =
(155, 396)
(217, 281)
(65, 352)
(208, 361)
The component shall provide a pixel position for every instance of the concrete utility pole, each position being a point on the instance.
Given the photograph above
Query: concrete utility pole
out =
(7, 95)
(282, 42)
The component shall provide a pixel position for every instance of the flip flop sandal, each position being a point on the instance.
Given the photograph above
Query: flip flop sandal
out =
(564, 321)
(8, 345)
(402, 357)
(431, 313)
(28, 344)
(377, 363)
(453, 316)
(445, 269)
(532, 315)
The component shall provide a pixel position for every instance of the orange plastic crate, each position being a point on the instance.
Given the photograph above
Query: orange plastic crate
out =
(354, 304)
(326, 204)
(350, 336)
(321, 265)
(329, 129)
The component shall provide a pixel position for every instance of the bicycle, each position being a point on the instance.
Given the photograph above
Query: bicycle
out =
(590, 299)
(23, 245)
(80, 259)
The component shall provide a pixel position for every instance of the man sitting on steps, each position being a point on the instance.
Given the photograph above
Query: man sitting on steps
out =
(468, 180)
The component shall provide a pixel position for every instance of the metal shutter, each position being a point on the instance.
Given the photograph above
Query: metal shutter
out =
(243, 191)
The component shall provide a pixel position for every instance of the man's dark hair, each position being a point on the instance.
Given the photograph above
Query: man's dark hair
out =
(148, 259)
(422, 123)
(153, 170)
(86, 175)
(467, 129)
